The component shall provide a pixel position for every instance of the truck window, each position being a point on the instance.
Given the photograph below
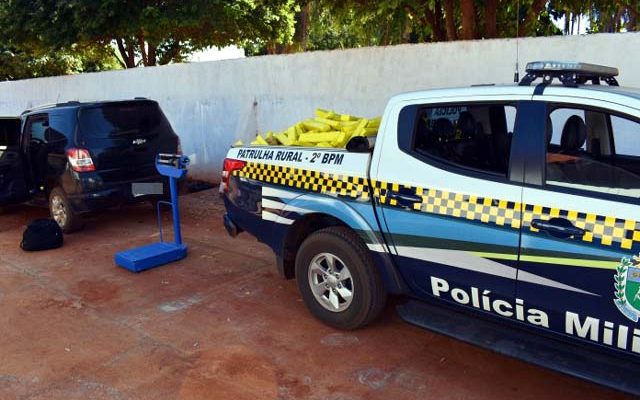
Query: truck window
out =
(476, 136)
(584, 157)
(558, 118)
(626, 135)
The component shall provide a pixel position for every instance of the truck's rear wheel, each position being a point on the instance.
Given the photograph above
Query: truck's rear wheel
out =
(62, 213)
(337, 279)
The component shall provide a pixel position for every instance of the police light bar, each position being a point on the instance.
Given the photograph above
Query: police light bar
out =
(569, 73)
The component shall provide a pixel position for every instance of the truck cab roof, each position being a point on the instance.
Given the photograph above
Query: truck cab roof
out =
(614, 94)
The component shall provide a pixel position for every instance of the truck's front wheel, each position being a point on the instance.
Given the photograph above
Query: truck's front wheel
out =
(338, 280)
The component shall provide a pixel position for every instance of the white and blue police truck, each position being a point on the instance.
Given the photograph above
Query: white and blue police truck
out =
(506, 216)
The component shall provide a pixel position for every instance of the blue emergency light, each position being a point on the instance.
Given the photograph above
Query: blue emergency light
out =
(154, 255)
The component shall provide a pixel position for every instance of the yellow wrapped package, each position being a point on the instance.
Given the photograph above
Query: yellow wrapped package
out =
(319, 137)
(259, 141)
(312, 125)
(326, 128)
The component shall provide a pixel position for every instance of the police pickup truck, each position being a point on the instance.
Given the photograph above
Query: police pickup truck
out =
(507, 216)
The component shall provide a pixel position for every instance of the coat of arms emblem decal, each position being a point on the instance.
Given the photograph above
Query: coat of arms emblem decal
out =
(627, 285)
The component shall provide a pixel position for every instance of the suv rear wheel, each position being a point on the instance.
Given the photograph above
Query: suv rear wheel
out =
(338, 280)
(62, 212)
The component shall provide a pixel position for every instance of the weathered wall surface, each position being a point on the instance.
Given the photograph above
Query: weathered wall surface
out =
(213, 104)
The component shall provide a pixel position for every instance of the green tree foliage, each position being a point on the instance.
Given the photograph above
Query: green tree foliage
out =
(24, 63)
(47, 37)
(146, 32)
(601, 15)
(354, 23)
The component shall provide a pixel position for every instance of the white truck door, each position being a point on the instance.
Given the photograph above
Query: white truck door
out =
(450, 211)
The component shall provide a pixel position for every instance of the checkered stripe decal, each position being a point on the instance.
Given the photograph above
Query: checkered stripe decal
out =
(601, 230)
(607, 231)
(321, 182)
(474, 208)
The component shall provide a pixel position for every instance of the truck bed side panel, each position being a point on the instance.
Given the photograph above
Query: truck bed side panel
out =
(279, 186)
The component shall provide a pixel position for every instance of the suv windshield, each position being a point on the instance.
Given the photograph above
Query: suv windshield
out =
(122, 120)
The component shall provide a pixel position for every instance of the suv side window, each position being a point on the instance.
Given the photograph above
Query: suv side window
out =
(37, 131)
(470, 136)
(594, 151)
(9, 132)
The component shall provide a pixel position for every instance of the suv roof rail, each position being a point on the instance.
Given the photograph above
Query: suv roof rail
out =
(50, 105)
(140, 98)
(67, 103)
(39, 107)
(570, 74)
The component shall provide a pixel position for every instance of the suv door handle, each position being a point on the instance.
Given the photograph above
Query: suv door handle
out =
(558, 227)
(406, 197)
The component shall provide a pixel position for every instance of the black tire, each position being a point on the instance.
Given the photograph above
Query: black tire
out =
(62, 213)
(368, 293)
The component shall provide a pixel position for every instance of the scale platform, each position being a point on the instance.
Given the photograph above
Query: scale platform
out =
(150, 256)
(154, 255)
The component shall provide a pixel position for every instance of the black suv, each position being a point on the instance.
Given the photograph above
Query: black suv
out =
(82, 157)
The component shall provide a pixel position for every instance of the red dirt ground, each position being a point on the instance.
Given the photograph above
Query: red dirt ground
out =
(218, 325)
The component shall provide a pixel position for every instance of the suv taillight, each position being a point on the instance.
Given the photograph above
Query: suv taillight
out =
(80, 160)
(229, 166)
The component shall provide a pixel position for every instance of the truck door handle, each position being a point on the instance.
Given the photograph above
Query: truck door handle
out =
(558, 227)
(405, 197)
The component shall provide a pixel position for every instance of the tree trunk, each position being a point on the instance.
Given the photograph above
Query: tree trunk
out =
(302, 27)
(529, 24)
(151, 55)
(468, 19)
(490, 18)
(435, 20)
(143, 50)
(450, 20)
(632, 25)
(131, 55)
(128, 60)
(573, 22)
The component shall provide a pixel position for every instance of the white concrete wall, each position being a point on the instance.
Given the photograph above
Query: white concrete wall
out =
(213, 104)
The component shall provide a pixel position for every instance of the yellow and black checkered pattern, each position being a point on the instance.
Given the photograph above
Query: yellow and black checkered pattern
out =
(440, 202)
(320, 182)
(601, 230)
(604, 230)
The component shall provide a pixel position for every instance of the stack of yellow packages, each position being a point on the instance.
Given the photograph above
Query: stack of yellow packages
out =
(326, 129)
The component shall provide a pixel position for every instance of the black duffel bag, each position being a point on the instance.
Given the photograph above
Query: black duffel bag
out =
(41, 234)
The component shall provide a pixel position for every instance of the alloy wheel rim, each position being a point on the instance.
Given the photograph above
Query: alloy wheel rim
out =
(331, 282)
(58, 211)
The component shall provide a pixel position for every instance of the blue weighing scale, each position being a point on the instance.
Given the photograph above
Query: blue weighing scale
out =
(154, 255)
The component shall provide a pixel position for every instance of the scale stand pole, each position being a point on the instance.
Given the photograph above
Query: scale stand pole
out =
(175, 210)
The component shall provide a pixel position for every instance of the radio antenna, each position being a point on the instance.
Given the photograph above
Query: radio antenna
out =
(516, 75)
